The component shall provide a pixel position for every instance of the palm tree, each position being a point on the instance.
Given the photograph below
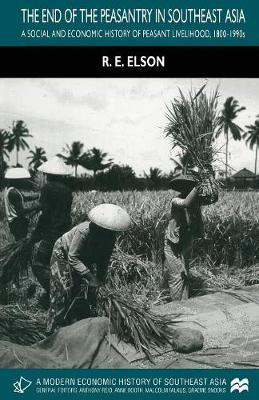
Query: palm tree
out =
(74, 153)
(19, 132)
(95, 160)
(230, 112)
(252, 138)
(4, 144)
(183, 163)
(154, 176)
(37, 157)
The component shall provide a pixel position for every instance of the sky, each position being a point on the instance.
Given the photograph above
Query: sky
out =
(123, 117)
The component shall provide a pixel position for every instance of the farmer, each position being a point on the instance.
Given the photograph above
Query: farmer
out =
(80, 260)
(14, 202)
(185, 225)
(55, 219)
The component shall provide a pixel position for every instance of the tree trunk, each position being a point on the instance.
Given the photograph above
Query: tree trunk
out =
(1, 167)
(256, 149)
(17, 157)
(226, 133)
(76, 171)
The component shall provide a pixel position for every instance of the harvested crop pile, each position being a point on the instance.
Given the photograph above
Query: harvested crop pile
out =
(210, 277)
(14, 259)
(21, 327)
(130, 320)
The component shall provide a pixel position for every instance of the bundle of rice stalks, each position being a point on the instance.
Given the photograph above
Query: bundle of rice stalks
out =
(194, 122)
(128, 268)
(21, 327)
(134, 323)
(14, 259)
(207, 188)
(139, 277)
(149, 220)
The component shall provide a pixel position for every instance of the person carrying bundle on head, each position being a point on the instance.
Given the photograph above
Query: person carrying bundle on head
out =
(184, 226)
(80, 261)
(55, 219)
(14, 201)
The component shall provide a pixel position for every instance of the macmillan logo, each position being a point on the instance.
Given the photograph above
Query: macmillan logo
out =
(239, 384)
(21, 385)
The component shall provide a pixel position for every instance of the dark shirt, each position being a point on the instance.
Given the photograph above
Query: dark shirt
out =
(84, 252)
(184, 226)
(16, 198)
(55, 219)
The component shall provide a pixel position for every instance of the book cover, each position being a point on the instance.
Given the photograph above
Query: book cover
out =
(129, 136)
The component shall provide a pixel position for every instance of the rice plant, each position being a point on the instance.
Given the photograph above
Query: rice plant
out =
(231, 243)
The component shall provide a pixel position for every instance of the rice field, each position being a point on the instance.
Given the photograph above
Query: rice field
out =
(231, 225)
(227, 258)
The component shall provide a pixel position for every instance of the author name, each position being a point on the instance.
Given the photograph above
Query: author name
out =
(133, 61)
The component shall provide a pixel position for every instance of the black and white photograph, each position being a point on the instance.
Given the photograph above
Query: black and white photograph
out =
(129, 223)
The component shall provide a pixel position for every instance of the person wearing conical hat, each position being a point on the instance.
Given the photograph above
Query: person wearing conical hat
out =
(81, 258)
(14, 200)
(55, 219)
(184, 226)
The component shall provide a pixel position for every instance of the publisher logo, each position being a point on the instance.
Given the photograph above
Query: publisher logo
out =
(21, 385)
(239, 384)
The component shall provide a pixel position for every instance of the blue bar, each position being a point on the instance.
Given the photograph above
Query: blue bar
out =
(109, 23)
(130, 384)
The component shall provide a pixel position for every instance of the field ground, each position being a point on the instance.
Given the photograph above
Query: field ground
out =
(227, 258)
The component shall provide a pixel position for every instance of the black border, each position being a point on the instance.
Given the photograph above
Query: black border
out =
(189, 62)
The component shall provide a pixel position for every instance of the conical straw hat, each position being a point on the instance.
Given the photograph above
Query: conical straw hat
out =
(17, 173)
(110, 216)
(183, 181)
(55, 166)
